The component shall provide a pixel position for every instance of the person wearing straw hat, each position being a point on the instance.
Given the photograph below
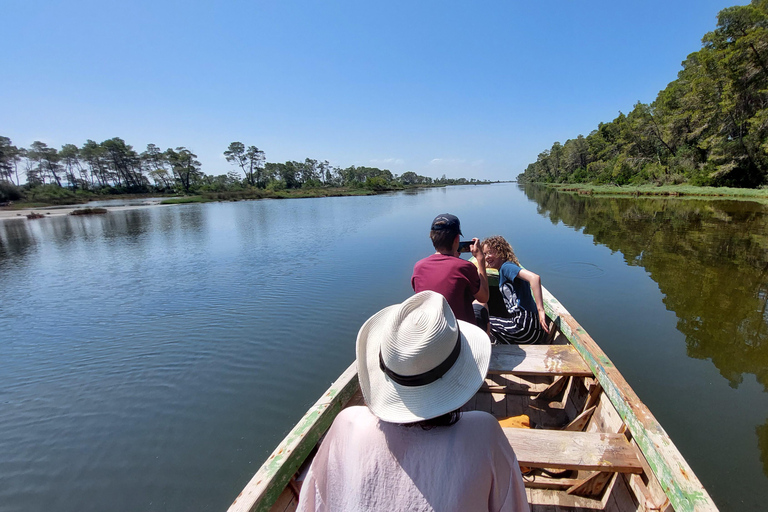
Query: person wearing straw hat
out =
(410, 448)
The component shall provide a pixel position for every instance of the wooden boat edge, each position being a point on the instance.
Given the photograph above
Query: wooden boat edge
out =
(683, 489)
(270, 480)
(677, 479)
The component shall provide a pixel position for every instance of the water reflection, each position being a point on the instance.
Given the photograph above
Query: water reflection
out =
(157, 355)
(710, 261)
(709, 258)
(16, 240)
(762, 442)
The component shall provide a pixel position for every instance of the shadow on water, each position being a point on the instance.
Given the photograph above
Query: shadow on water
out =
(709, 259)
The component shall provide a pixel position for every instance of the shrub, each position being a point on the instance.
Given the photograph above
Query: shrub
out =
(377, 183)
(88, 211)
(9, 192)
(51, 194)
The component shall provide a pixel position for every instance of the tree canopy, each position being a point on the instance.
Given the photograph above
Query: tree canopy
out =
(114, 167)
(708, 127)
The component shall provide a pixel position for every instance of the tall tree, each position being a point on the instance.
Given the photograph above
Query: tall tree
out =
(70, 158)
(93, 154)
(124, 162)
(46, 161)
(250, 160)
(185, 167)
(155, 162)
(10, 156)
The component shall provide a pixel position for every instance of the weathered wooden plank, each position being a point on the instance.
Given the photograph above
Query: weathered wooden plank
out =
(516, 404)
(517, 385)
(560, 449)
(545, 482)
(538, 360)
(484, 401)
(593, 486)
(554, 389)
(268, 483)
(580, 421)
(499, 405)
(622, 498)
(550, 500)
(286, 502)
(676, 477)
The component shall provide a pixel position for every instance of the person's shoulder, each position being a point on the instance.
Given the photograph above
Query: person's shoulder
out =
(511, 265)
(484, 429)
(354, 422)
(510, 269)
(356, 413)
(476, 418)
(426, 260)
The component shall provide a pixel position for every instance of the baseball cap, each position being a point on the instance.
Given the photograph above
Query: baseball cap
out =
(446, 222)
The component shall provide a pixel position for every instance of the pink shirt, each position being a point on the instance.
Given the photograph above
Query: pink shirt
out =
(365, 464)
(455, 278)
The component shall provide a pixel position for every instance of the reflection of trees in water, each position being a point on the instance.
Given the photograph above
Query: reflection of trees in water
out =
(762, 443)
(15, 240)
(709, 258)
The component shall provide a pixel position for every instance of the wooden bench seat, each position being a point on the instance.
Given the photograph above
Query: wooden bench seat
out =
(556, 360)
(560, 449)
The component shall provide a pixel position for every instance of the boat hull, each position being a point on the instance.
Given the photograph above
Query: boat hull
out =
(591, 443)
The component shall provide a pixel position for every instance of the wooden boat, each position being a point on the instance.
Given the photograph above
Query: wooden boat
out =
(593, 446)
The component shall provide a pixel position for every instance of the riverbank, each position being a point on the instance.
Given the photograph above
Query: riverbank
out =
(760, 194)
(250, 194)
(22, 210)
(7, 213)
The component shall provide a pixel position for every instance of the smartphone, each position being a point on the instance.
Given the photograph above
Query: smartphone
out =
(464, 246)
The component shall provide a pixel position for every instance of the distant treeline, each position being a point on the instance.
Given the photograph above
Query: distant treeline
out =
(114, 167)
(708, 127)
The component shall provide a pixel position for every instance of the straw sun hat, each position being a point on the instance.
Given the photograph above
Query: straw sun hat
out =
(415, 361)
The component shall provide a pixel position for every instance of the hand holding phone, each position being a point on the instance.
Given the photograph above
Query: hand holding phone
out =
(464, 246)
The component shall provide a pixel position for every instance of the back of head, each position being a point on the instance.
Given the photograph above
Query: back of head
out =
(501, 247)
(443, 232)
(415, 361)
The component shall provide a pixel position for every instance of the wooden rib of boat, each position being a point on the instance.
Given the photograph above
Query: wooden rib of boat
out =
(591, 444)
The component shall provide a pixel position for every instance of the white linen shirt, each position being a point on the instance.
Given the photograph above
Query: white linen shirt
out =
(365, 464)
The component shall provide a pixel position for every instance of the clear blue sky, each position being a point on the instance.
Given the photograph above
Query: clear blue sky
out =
(466, 89)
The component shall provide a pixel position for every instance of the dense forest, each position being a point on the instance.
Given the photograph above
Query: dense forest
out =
(114, 167)
(708, 127)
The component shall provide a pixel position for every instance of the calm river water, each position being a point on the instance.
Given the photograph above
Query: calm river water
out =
(151, 359)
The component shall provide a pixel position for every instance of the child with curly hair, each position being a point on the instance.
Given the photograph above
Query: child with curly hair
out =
(527, 322)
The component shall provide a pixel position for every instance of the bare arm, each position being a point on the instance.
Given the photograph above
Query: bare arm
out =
(483, 294)
(535, 281)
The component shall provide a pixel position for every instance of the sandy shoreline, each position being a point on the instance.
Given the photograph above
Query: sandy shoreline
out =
(57, 211)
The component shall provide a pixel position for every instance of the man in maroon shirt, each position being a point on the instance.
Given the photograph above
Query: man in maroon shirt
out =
(458, 280)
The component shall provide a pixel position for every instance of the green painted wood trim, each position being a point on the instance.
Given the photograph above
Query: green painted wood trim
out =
(680, 484)
(267, 484)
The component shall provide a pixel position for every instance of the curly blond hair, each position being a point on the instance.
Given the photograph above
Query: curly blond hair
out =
(502, 248)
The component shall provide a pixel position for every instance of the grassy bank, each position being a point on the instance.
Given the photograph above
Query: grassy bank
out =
(664, 190)
(244, 195)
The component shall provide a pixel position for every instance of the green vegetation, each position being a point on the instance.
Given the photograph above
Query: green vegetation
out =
(88, 211)
(708, 128)
(760, 194)
(186, 200)
(239, 195)
(78, 174)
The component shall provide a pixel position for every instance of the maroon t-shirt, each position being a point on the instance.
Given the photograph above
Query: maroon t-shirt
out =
(456, 279)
